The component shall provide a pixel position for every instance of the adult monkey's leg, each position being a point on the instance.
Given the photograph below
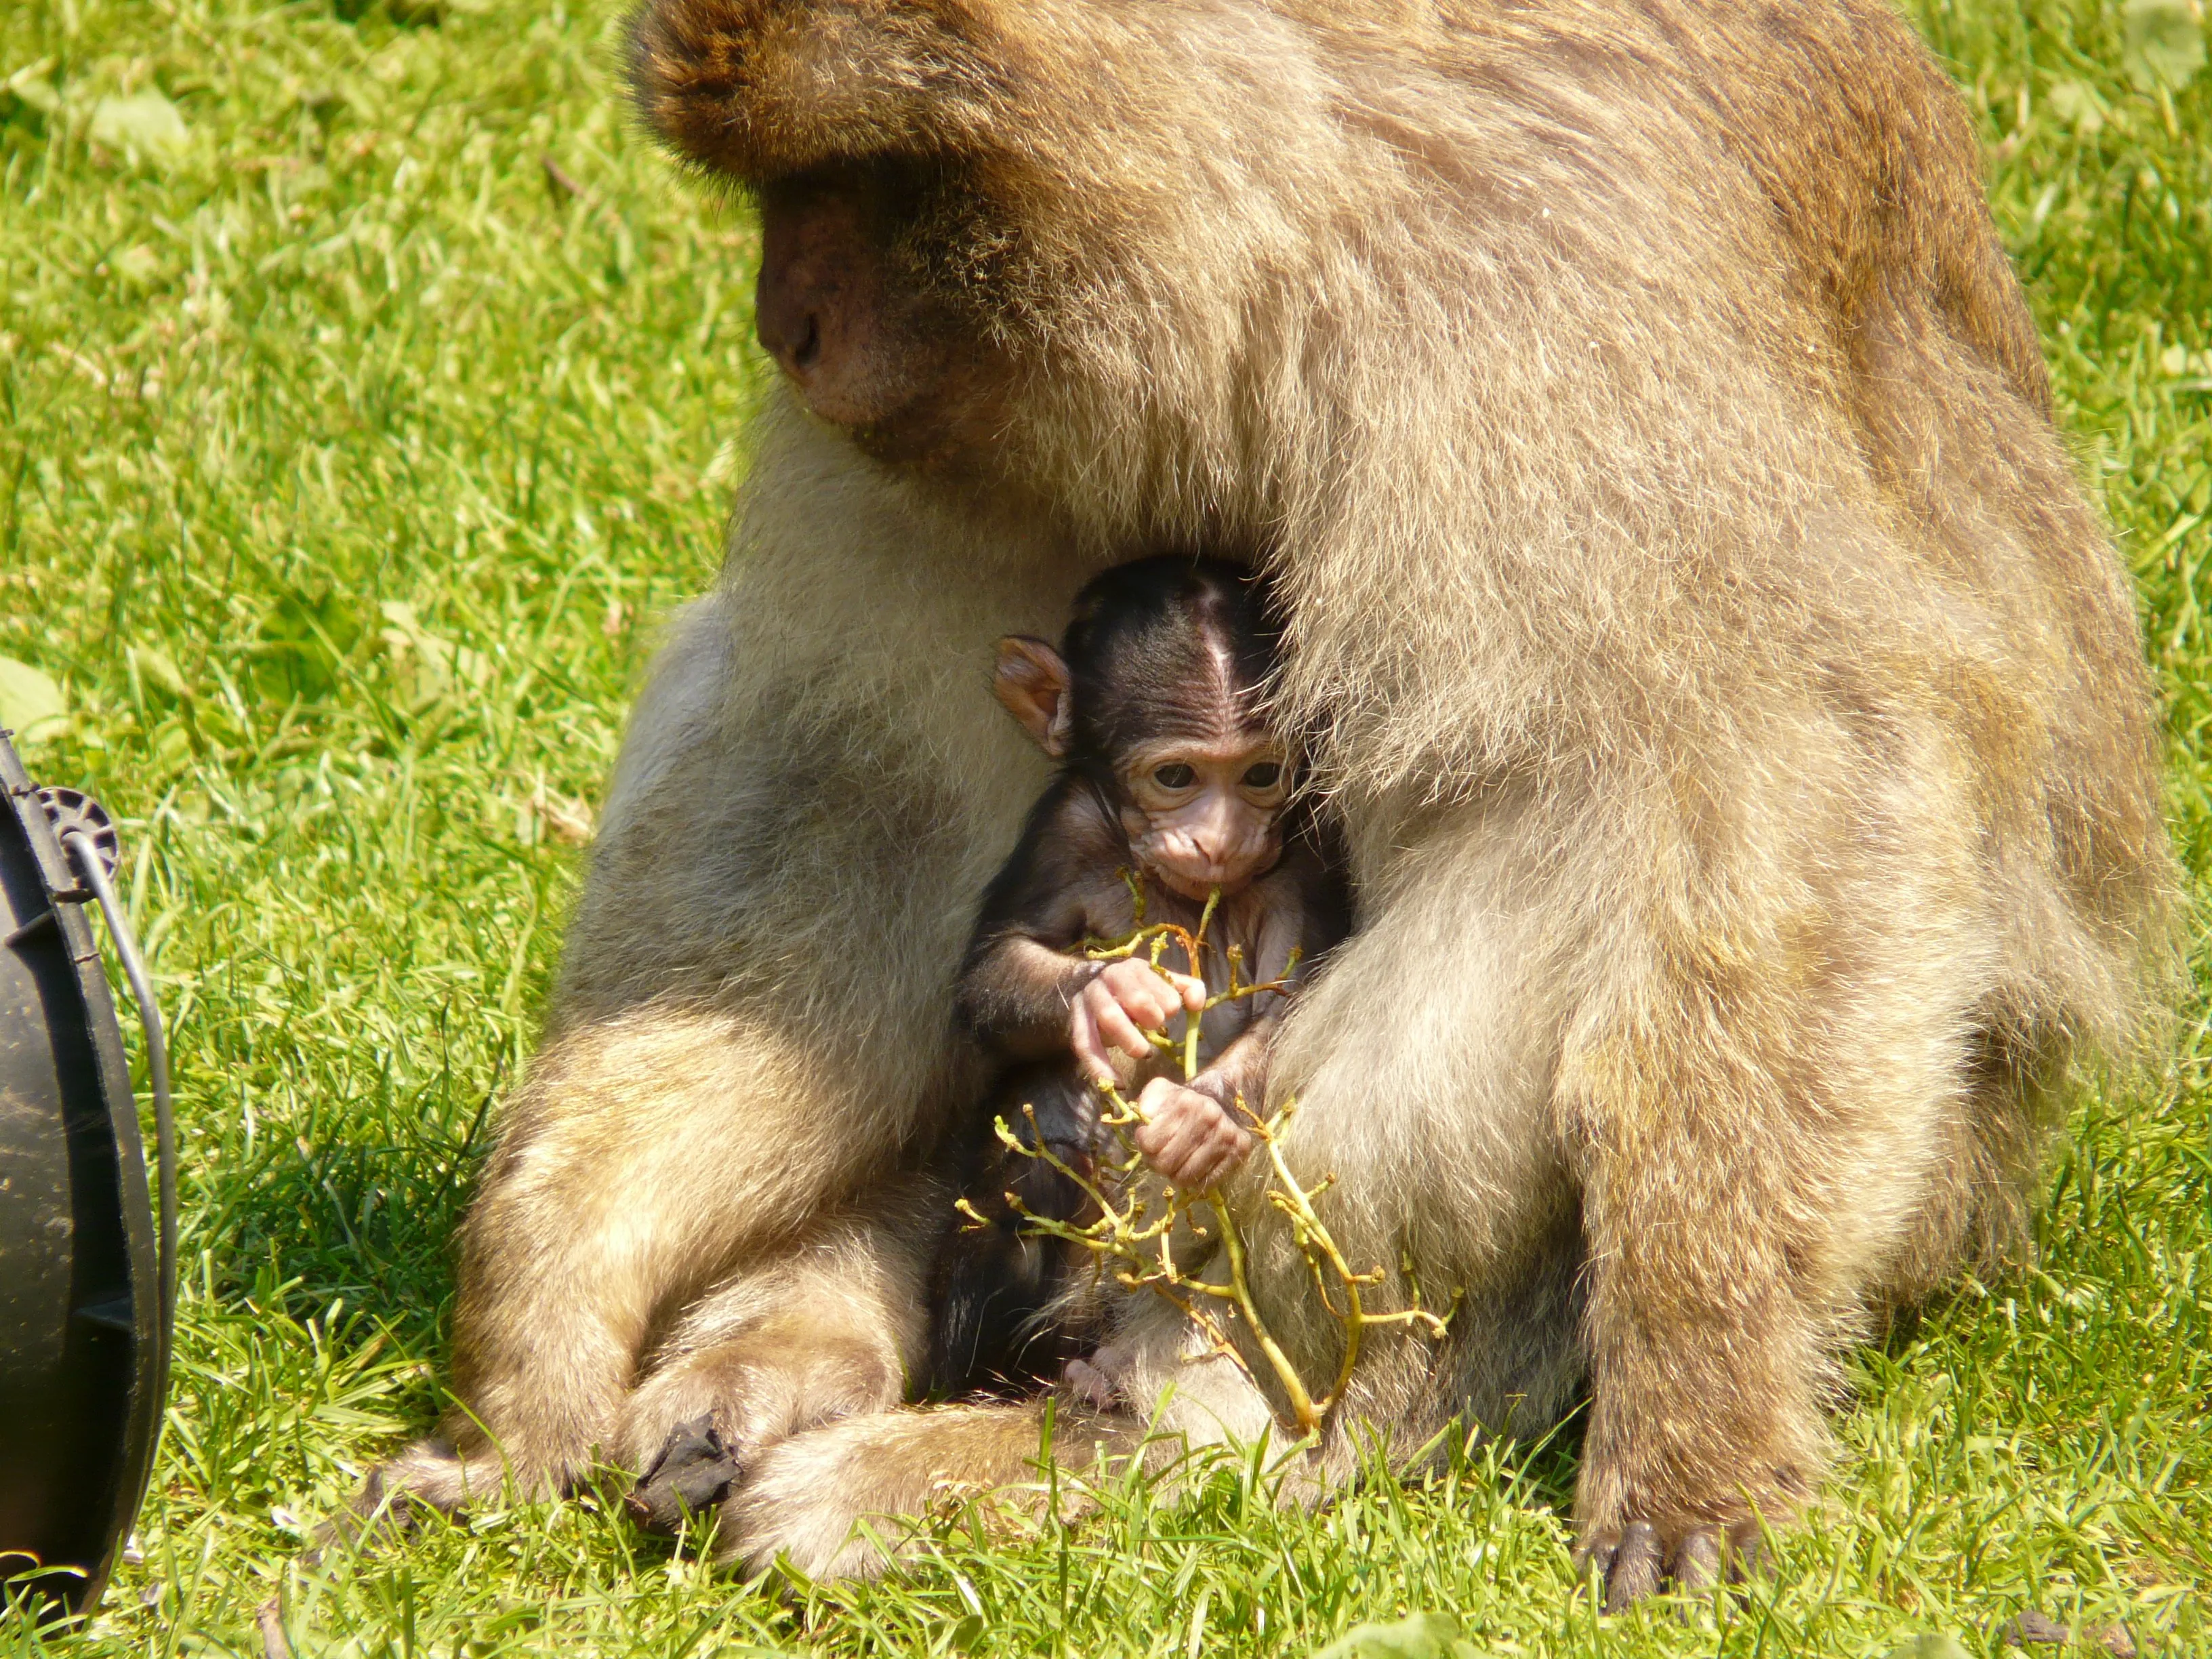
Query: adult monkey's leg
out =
(656, 1145)
(749, 1029)
(1419, 1060)
(605, 1212)
(595, 1203)
(832, 1325)
(1755, 1092)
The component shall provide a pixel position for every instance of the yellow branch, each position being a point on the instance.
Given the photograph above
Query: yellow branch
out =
(1144, 1250)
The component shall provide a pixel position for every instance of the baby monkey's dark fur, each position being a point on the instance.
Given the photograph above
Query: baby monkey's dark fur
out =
(1160, 676)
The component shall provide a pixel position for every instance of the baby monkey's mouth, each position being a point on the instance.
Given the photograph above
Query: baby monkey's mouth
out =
(1199, 878)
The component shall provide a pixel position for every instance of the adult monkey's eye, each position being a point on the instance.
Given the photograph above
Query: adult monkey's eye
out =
(1175, 776)
(1263, 776)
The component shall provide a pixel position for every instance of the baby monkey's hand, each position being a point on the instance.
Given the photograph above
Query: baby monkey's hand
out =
(1118, 1005)
(1190, 1138)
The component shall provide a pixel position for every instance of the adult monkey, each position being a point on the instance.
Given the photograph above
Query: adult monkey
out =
(1736, 717)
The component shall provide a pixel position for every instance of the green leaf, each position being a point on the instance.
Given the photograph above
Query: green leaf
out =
(2165, 43)
(1929, 1645)
(31, 703)
(157, 668)
(1417, 1635)
(300, 645)
(2077, 104)
(144, 127)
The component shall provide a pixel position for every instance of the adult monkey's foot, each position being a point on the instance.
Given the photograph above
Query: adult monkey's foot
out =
(1098, 1381)
(692, 1474)
(1635, 1560)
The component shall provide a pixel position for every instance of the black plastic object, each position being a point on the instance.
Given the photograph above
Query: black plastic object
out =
(87, 1282)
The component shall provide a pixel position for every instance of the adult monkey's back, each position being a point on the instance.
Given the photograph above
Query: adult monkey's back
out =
(1736, 716)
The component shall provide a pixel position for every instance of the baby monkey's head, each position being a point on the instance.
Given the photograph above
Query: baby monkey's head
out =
(1156, 695)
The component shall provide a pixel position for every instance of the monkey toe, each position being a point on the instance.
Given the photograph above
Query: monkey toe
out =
(426, 1479)
(1746, 1548)
(1697, 1559)
(1634, 1572)
(381, 1513)
(1096, 1385)
(692, 1473)
(1632, 1562)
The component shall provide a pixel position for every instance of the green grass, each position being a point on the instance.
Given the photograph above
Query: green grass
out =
(348, 457)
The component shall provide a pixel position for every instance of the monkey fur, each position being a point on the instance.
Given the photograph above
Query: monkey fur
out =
(1172, 783)
(1734, 713)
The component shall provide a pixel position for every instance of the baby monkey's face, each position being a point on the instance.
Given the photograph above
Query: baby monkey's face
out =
(1199, 785)
(1206, 812)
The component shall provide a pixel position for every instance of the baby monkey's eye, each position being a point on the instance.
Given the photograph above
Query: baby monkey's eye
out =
(1175, 776)
(1263, 776)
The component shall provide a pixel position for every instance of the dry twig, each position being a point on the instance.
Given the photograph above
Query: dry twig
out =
(1137, 1246)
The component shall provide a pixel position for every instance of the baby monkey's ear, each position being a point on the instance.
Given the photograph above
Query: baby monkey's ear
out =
(1032, 682)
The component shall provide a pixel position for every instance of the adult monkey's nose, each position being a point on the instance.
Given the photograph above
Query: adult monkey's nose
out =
(818, 306)
(787, 316)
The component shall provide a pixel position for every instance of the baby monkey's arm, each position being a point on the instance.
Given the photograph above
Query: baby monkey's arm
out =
(1024, 992)
(1031, 1002)
(1017, 992)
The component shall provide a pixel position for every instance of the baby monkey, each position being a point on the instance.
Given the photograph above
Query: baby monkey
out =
(1171, 780)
